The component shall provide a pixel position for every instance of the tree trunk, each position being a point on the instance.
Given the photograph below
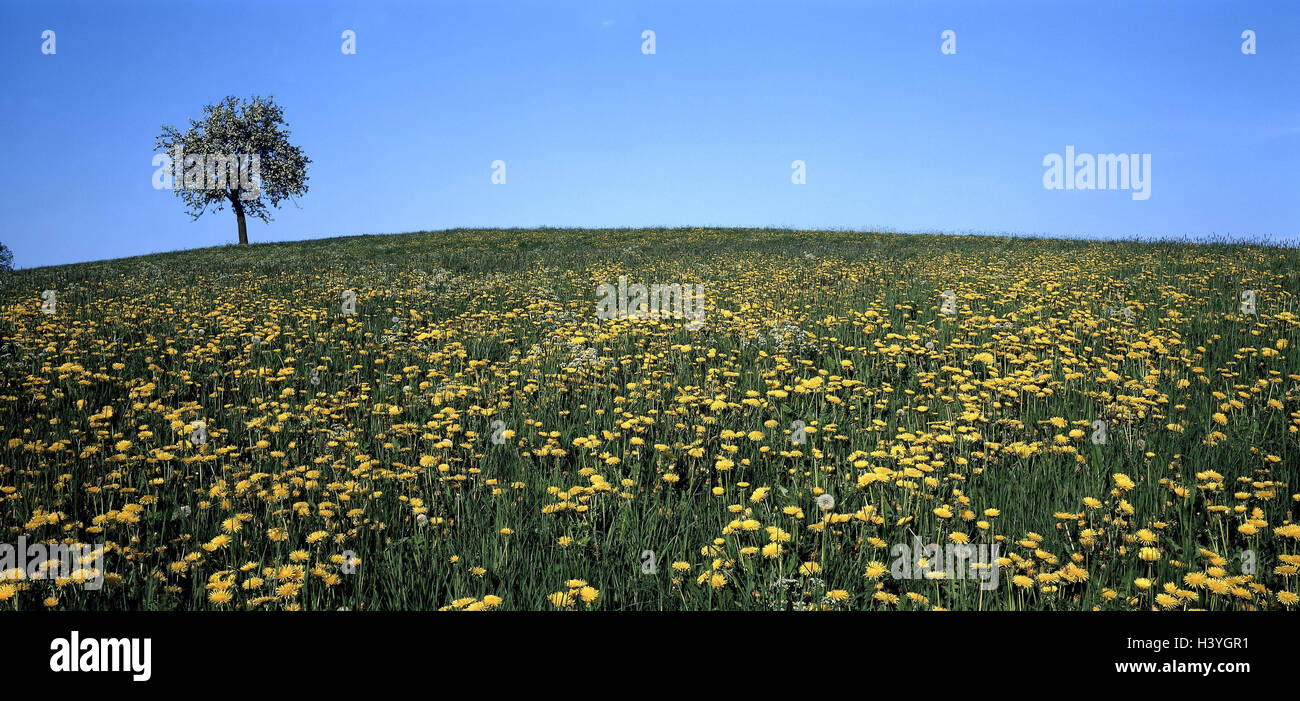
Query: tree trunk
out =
(239, 213)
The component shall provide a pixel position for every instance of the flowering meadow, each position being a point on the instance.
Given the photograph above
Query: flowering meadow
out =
(444, 421)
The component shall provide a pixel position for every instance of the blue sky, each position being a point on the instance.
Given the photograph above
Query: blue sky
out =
(894, 133)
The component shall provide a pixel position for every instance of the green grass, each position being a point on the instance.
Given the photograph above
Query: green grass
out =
(457, 330)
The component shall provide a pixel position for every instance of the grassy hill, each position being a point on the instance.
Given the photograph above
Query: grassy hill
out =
(1119, 418)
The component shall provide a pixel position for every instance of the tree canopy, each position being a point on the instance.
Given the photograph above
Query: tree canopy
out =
(237, 153)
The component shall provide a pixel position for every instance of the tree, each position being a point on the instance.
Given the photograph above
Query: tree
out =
(6, 258)
(239, 154)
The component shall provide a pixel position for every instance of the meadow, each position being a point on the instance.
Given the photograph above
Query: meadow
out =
(1122, 419)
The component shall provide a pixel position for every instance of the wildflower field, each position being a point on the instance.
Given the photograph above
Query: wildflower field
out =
(1120, 418)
